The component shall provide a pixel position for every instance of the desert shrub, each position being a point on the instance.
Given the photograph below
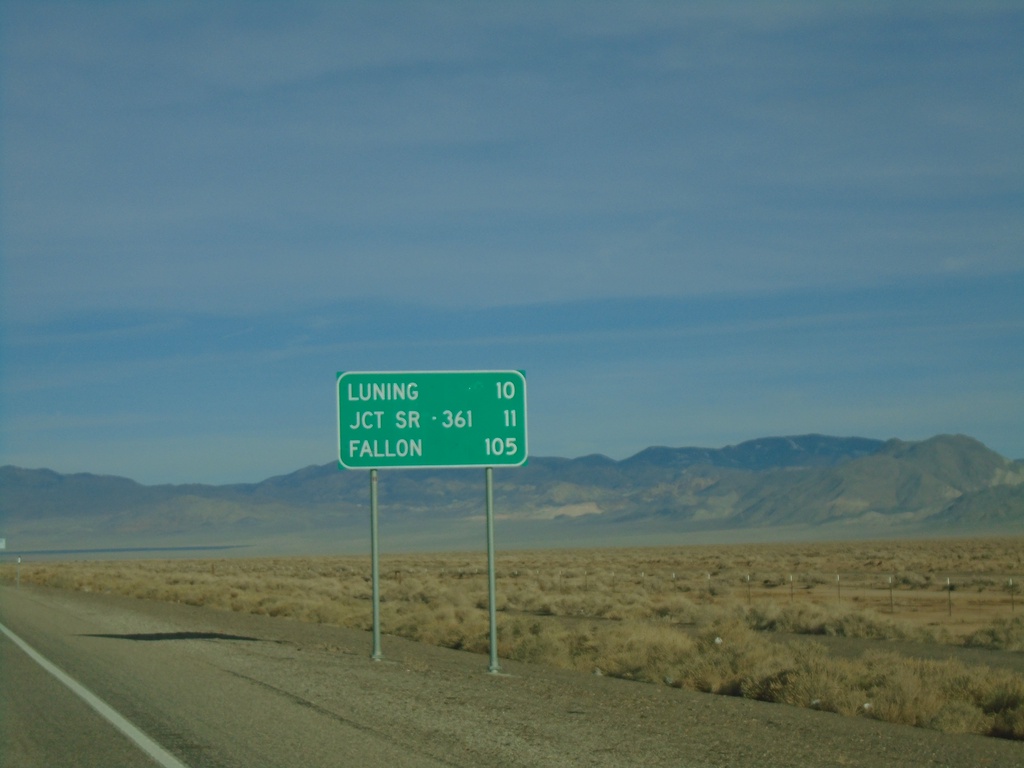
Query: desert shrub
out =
(814, 619)
(448, 626)
(914, 580)
(588, 604)
(1002, 635)
(275, 605)
(804, 618)
(674, 607)
(414, 590)
(943, 695)
(631, 603)
(1009, 725)
(728, 656)
(868, 624)
(1004, 701)
(809, 580)
(814, 681)
(898, 693)
(644, 652)
(533, 641)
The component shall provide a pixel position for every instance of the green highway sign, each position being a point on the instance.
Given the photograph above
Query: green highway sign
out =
(431, 419)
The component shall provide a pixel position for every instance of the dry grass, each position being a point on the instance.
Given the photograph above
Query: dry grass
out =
(694, 617)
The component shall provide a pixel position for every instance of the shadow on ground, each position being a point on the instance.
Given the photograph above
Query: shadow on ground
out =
(152, 636)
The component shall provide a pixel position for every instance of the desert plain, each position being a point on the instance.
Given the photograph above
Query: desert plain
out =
(928, 633)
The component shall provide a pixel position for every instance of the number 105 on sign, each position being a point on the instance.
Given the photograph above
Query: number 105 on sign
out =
(496, 446)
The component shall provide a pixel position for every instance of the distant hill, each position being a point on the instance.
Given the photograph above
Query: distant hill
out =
(808, 485)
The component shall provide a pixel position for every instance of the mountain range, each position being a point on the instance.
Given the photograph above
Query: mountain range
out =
(808, 486)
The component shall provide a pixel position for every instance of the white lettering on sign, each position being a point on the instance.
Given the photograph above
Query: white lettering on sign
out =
(407, 419)
(387, 390)
(495, 446)
(384, 449)
(458, 420)
(368, 420)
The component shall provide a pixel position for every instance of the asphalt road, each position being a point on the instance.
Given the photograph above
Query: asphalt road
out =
(188, 689)
(221, 689)
(44, 723)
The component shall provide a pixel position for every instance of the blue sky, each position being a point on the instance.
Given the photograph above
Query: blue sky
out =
(689, 223)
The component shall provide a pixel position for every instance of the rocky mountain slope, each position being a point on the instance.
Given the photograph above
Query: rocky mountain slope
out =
(824, 486)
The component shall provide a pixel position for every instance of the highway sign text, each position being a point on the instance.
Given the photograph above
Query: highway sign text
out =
(431, 419)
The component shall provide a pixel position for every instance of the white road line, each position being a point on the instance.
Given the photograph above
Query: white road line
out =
(146, 744)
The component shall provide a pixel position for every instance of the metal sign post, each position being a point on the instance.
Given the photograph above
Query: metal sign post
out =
(492, 590)
(375, 566)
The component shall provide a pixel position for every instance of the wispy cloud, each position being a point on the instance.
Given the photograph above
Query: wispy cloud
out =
(725, 209)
